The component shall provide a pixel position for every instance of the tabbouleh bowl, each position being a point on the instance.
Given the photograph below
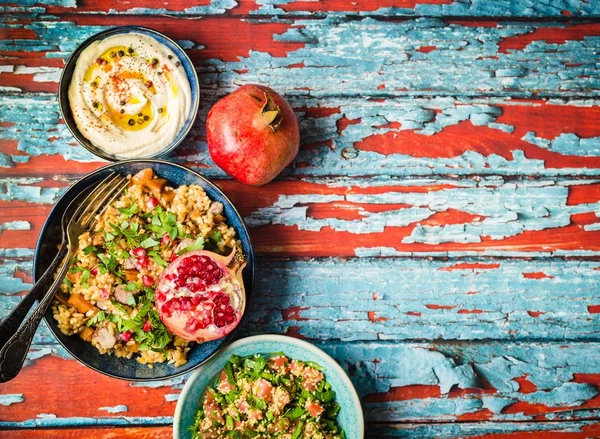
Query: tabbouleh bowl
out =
(107, 298)
(265, 397)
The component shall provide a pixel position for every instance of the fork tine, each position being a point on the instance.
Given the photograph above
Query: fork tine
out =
(100, 188)
(95, 204)
(108, 198)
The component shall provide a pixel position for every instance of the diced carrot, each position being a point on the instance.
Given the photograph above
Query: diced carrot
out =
(80, 303)
(74, 277)
(156, 185)
(134, 347)
(87, 333)
(131, 275)
(168, 196)
(143, 176)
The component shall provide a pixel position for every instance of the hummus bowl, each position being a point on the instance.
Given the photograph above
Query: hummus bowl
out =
(129, 92)
(130, 368)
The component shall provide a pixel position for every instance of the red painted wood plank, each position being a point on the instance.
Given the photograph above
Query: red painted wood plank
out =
(294, 239)
(80, 392)
(546, 120)
(91, 433)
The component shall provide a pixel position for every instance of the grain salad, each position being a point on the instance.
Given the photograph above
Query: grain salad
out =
(107, 297)
(268, 397)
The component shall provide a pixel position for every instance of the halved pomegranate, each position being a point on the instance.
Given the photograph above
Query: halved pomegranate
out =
(201, 296)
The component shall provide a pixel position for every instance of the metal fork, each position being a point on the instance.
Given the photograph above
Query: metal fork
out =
(13, 353)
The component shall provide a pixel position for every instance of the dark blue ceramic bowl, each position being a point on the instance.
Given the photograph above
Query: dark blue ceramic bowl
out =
(67, 74)
(49, 238)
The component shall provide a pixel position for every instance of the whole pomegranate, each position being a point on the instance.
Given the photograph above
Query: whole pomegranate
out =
(252, 134)
(200, 296)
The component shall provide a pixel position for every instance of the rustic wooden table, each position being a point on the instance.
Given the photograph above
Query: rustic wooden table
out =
(438, 234)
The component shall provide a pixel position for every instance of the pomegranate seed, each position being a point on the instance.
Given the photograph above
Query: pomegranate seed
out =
(173, 257)
(149, 84)
(104, 293)
(94, 271)
(125, 336)
(152, 203)
(139, 252)
(147, 326)
(147, 280)
(160, 297)
(165, 239)
(142, 262)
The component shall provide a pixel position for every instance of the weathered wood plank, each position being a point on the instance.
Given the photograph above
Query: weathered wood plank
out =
(354, 137)
(488, 430)
(366, 57)
(397, 299)
(387, 8)
(362, 217)
(397, 382)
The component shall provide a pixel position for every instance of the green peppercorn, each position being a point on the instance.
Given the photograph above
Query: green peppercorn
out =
(94, 84)
(122, 102)
(160, 110)
(122, 111)
(146, 117)
(131, 122)
(121, 53)
(170, 56)
(140, 114)
(177, 64)
(154, 61)
(130, 50)
(113, 54)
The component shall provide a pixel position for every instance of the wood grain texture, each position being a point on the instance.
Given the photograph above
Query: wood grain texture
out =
(393, 137)
(479, 430)
(391, 217)
(438, 233)
(403, 299)
(386, 8)
(371, 57)
(397, 382)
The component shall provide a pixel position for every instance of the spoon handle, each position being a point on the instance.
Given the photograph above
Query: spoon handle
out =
(11, 323)
(14, 352)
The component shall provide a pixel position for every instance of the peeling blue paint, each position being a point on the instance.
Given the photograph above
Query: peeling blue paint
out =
(463, 8)
(10, 399)
(338, 295)
(115, 409)
(425, 116)
(474, 429)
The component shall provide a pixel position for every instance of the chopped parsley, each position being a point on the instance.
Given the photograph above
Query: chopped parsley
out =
(198, 244)
(129, 211)
(99, 317)
(289, 412)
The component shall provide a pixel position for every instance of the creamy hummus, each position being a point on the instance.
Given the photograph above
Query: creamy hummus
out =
(129, 95)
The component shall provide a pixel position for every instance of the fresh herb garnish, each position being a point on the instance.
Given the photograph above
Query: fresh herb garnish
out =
(89, 250)
(198, 244)
(129, 211)
(99, 317)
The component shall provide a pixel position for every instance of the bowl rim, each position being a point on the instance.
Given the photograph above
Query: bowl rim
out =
(337, 369)
(249, 292)
(72, 126)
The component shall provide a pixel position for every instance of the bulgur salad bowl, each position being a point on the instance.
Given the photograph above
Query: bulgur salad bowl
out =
(127, 309)
(269, 386)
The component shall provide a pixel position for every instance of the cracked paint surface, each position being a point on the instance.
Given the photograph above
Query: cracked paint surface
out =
(381, 138)
(472, 206)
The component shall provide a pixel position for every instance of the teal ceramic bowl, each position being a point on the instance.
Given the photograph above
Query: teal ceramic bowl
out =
(350, 417)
